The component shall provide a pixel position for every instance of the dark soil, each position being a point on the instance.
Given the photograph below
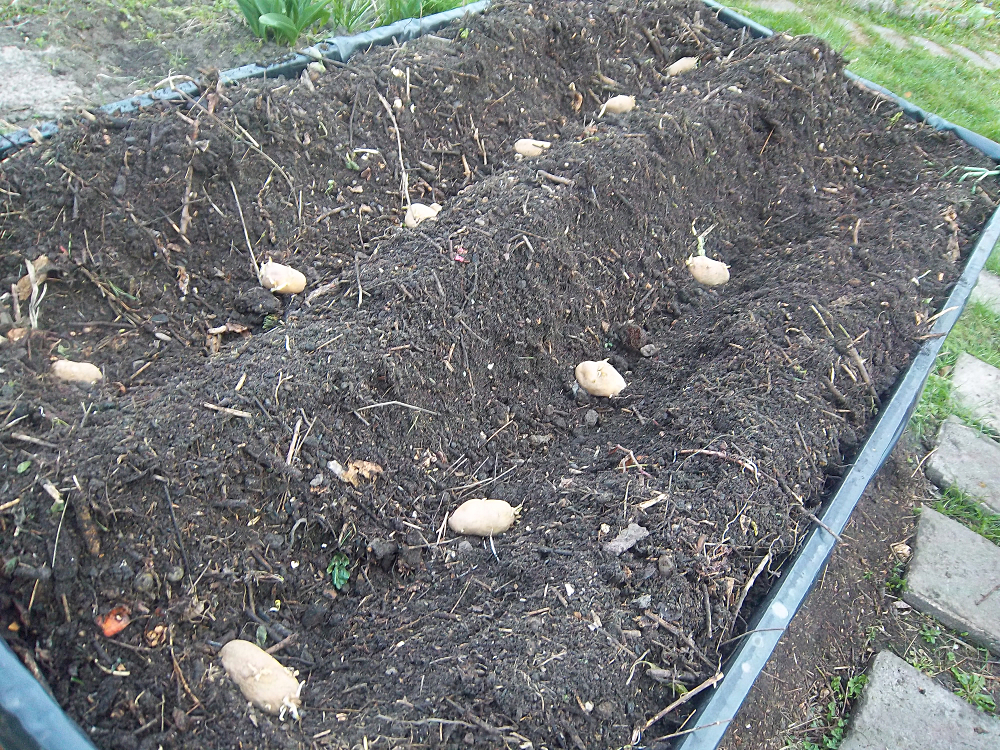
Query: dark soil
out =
(445, 355)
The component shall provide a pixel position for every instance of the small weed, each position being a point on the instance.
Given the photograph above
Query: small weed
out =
(833, 721)
(930, 634)
(972, 687)
(869, 575)
(896, 583)
(339, 570)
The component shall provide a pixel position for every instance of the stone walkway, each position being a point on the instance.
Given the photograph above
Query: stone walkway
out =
(954, 576)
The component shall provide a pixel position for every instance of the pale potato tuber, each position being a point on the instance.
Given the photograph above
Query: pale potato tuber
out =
(682, 66)
(76, 372)
(529, 147)
(707, 271)
(280, 279)
(261, 678)
(599, 378)
(618, 105)
(418, 212)
(482, 517)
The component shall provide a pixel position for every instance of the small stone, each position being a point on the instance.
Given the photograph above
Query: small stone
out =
(649, 350)
(666, 565)
(465, 547)
(175, 574)
(385, 552)
(257, 301)
(591, 418)
(317, 481)
(159, 319)
(605, 710)
(643, 601)
(537, 441)
(145, 582)
(627, 538)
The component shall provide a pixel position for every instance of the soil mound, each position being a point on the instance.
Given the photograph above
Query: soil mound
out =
(210, 482)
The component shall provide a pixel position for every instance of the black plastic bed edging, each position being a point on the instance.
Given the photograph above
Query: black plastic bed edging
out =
(774, 614)
(338, 49)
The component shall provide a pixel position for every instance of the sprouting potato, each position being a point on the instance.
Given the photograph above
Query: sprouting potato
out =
(618, 105)
(261, 678)
(682, 66)
(530, 148)
(76, 372)
(280, 279)
(482, 517)
(418, 212)
(599, 378)
(708, 271)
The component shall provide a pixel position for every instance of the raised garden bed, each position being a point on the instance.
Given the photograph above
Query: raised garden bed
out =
(445, 355)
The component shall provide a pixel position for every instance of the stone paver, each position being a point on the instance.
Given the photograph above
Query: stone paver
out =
(933, 47)
(778, 6)
(978, 60)
(987, 291)
(29, 85)
(904, 709)
(968, 460)
(976, 386)
(952, 576)
(993, 57)
(894, 38)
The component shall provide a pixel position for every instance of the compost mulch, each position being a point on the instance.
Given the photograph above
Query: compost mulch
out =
(197, 484)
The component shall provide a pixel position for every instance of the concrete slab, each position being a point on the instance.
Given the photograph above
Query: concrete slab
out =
(955, 576)
(987, 289)
(30, 86)
(891, 37)
(975, 385)
(857, 35)
(933, 47)
(777, 6)
(968, 460)
(904, 708)
(974, 58)
(993, 57)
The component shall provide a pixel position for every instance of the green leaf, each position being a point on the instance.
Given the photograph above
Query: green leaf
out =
(58, 506)
(281, 25)
(251, 13)
(339, 570)
(23, 466)
(261, 635)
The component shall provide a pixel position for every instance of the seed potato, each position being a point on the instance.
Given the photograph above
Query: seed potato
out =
(418, 212)
(76, 372)
(599, 378)
(281, 279)
(261, 678)
(618, 105)
(682, 66)
(708, 271)
(531, 148)
(482, 517)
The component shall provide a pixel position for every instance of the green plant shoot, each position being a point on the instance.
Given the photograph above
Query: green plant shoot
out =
(339, 570)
